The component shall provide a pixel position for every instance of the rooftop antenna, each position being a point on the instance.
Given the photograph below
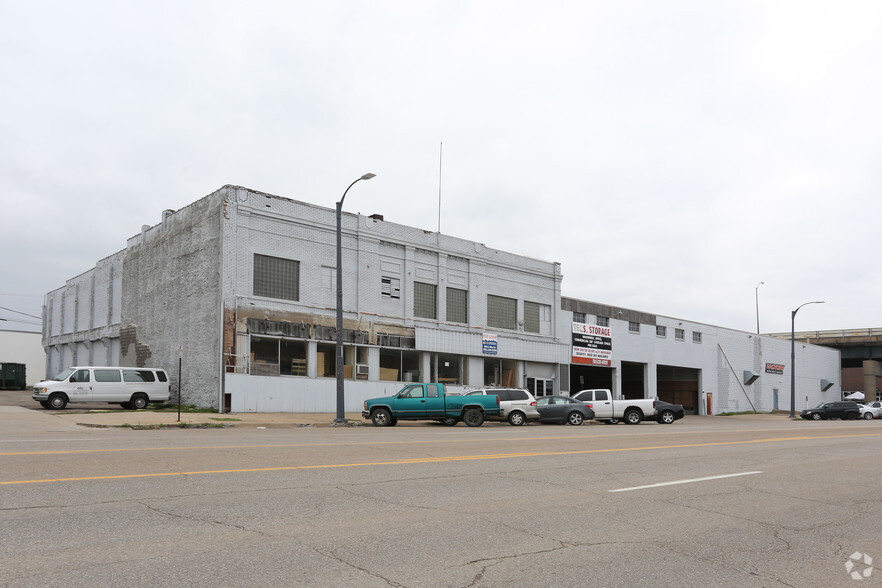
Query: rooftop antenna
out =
(440, 156)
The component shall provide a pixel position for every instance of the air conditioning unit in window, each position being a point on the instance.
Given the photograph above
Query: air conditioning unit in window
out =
(361, 370)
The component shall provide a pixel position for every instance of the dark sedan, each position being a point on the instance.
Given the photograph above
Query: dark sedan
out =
(563, 409)
(666, 413)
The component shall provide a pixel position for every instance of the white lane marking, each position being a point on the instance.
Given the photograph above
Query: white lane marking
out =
(684, 481)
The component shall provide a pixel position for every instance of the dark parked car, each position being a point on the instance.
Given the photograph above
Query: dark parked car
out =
(666, 413)
(833, 410)
(563, 409)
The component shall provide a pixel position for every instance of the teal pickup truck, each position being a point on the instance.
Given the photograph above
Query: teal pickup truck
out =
(430, 402)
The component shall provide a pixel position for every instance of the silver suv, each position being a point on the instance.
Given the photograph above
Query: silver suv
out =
(516, 405)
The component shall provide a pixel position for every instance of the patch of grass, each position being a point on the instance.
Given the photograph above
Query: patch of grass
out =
(171, 426)
(184, 408)
(223, 419)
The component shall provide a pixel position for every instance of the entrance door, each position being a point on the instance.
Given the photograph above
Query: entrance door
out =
(540, 386)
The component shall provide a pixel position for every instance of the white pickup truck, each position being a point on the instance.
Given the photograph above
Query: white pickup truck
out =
(610, 410)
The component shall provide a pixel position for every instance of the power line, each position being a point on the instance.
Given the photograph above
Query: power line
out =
(4, 321)
(19, 312)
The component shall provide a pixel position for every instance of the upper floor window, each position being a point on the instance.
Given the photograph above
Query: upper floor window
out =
(537, 318)
(425, 300)
(679, 334)
(390, 288)
(502, 312)
(579, 317)
(275, 277)
(457, 305)
(696, 337)
(603, 321)
(329, 277)
(633, 327)
(661, 331)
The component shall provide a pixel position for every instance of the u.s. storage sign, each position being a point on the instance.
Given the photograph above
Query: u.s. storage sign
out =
(592, 345)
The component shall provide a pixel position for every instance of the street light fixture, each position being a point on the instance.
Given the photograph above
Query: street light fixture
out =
(341, 418)
(757, 306)
(793, 357)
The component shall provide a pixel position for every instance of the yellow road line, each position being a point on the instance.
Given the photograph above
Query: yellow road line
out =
(439, 459)
(353, 444)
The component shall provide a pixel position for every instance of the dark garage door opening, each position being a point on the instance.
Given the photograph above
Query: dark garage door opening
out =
(586, 377)
(679, 385)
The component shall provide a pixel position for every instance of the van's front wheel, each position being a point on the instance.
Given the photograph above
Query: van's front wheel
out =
(57, 401)
(139, 402)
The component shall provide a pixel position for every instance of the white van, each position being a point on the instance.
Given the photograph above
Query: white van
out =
(132, 388)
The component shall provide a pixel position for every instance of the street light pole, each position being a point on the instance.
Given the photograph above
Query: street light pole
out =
(793, 357)
(341, 418)
(757, 306)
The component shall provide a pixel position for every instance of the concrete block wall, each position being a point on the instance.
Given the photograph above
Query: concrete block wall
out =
(171, 298)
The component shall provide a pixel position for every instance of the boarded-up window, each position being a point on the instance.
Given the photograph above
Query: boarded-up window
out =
(390, 288)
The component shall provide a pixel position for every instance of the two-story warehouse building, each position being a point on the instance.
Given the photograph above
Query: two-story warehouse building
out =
(241, 286)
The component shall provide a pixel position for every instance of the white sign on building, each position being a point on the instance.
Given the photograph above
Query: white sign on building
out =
(592, 345)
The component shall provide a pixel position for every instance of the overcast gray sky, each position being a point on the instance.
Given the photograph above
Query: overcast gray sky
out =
(671, 155)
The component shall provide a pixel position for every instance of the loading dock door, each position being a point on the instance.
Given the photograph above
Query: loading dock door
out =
(679, 385)
(633, 380)
(586, 377)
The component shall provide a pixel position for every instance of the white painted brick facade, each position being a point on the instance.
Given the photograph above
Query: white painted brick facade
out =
(188, 282)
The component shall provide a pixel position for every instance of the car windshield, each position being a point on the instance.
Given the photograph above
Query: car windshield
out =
(63, 375)
(822, 405)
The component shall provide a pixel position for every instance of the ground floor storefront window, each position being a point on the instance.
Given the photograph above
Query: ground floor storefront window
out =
(397, 365)
(277, 357)
(449, 369)
(500, 372)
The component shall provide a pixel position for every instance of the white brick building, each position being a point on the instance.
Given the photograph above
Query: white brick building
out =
(244, 283)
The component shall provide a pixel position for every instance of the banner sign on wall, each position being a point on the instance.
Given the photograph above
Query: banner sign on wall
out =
(489, 344)
(774, 368)
(592, 345)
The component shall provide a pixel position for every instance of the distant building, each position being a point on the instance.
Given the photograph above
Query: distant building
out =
(24, 347)
(244, 285)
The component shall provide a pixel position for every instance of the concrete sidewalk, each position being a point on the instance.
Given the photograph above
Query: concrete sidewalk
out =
(148, 418)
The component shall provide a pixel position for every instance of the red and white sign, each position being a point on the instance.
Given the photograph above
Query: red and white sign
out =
(592, 345)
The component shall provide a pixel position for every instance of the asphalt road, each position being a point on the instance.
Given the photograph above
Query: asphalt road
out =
(708, 501)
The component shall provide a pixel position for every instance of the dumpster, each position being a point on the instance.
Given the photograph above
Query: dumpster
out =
(12, 376)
